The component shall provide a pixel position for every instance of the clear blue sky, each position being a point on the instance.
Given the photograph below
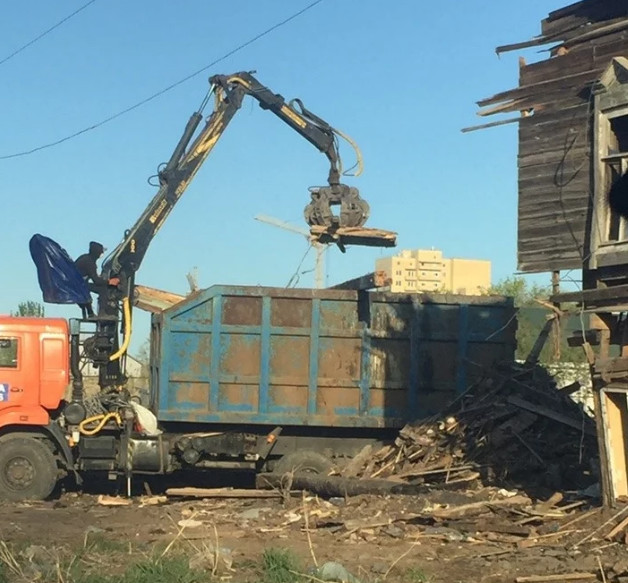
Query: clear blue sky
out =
(401, 78)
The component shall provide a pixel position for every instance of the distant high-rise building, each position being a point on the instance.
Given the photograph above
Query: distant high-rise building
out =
(426, 270)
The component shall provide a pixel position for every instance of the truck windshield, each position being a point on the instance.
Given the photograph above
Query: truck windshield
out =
(8, 352)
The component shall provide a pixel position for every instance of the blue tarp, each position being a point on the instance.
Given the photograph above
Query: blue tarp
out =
(59, 280)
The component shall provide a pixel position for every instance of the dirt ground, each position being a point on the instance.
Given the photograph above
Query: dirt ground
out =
(396, 539)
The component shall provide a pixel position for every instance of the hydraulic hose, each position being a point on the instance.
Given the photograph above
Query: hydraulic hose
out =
(127, 330)
(102, 419)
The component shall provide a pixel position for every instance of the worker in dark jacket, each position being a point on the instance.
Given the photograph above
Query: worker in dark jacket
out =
(86, 266)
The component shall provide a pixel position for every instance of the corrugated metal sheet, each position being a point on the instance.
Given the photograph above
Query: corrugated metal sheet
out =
(251, 355)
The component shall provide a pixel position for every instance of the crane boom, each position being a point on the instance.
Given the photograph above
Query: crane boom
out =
(228, 92)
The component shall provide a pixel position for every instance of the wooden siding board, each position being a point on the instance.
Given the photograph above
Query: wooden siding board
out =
(555, 141)
(555, 156)
(553, 207)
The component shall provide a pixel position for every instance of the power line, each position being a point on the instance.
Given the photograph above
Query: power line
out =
(43, 34)
(166, 89)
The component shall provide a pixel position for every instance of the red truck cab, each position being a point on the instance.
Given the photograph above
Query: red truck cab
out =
(34, 369)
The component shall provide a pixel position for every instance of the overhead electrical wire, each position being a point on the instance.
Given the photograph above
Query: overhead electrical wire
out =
(165, 89)
(43, 34)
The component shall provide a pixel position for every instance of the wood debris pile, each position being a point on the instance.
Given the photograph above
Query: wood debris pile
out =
(513, 427)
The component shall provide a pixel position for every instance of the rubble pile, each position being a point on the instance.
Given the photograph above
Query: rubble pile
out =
(512, 427)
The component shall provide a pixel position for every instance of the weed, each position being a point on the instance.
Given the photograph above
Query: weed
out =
(415, 575)
(99, 543)
(61, 566)
(164, 570)
(279, 566)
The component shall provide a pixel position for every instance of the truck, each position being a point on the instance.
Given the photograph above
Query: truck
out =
(253, 379)
(240, 378)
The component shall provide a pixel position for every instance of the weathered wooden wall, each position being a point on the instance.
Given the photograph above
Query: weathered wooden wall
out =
(555, 138)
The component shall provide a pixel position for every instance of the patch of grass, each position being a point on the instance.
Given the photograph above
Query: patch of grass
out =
(415, 575)
(164, 570)
(98, 542)
(279, 566)
(59, 565)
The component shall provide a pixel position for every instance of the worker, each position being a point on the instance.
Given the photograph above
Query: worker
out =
(86, 266)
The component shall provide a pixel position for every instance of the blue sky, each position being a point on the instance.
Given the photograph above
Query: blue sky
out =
(401, 78)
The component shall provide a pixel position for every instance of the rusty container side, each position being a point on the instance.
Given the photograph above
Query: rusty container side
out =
(253, 355)
(426, 349)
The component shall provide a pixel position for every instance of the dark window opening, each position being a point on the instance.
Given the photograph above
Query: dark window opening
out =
(8, 352)
(616, 166)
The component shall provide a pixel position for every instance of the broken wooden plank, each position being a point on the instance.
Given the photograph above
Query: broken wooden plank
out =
(369, 281)
(559, 577)
(359, 236)
(608, 293)
(474, 508)
(355, 464)
(105, 500)
(154, 300)
(546, 412)
(222, 493)
(491, 124)
(619, 528)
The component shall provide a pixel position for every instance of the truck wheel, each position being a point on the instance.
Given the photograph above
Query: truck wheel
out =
(28, 469)
(304, 462)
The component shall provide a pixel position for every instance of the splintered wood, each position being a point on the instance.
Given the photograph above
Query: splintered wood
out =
(354, 236)
(512, 424)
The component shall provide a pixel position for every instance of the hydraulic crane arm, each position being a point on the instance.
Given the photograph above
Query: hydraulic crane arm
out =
(229, 92)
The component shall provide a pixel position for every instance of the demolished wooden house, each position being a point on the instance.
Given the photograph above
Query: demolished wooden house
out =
(572, 111)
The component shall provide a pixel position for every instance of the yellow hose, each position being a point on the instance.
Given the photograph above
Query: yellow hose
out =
(127, 330)
(103, 419)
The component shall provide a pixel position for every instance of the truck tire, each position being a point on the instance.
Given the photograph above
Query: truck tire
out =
(28, 469)
(304, 462)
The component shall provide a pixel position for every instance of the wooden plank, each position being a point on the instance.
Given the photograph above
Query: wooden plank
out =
(571, 31)
(556, 220)
(541, 122)
(619, 528)
(604, 365)
(577, 60)
(540, 265)
(559, 577)
(543, 200)
(191, 492)
(540, 88)
(551, 101)
(154, 300)
(617, 292)
(551, 414)
(548, 170)
(582, 13)
(475, 508)
(491, 124)
(359, 236)
(368, 281)
(568, 157)
(548, 245)
(548, 232)
(615, 418)
(561, 136)
(598, 32)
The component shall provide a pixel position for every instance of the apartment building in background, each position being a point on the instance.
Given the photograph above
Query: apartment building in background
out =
(426, 270)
